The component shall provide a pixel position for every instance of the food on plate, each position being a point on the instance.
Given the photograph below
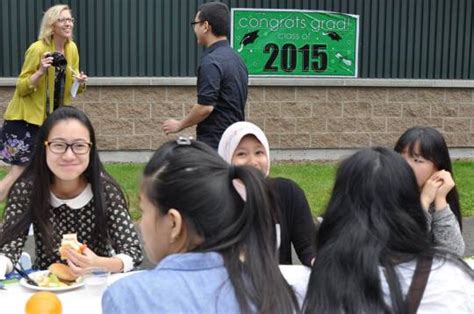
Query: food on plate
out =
(48, 280)
(63, 272)
(57, 276)
(43, 302)
(70, 241)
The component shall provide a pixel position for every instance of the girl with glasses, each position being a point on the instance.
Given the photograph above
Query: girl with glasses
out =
(50, 67)
(65, 189)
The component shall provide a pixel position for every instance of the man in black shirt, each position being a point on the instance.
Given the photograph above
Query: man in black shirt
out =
(222, 79)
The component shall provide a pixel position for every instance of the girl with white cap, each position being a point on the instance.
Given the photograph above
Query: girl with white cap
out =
(244, 143)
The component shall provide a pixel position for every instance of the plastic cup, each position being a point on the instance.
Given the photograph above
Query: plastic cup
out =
(96, 280)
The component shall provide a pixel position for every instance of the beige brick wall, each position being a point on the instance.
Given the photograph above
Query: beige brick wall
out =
(129, 118)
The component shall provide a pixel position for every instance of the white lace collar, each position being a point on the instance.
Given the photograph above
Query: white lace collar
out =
(75, 203)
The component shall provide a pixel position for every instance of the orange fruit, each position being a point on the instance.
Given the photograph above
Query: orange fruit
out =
(43, 303)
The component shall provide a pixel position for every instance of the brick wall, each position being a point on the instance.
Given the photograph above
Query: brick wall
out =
(129, 118)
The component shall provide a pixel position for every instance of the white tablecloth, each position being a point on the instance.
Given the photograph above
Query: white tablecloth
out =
(297, 276)
(13, 299)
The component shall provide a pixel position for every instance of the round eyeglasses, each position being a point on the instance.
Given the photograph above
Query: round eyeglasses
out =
(78, 148)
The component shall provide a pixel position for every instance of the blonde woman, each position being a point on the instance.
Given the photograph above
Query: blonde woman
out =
(49, 70)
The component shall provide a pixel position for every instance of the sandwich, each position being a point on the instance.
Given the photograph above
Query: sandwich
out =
(70, 241)
(62, 272)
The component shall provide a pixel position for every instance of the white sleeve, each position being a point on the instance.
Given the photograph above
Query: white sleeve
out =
(6, 266)
(127, 262)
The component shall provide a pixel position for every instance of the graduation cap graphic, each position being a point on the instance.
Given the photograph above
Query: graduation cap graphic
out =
(248, 39)
(334, 36)
(344, 59)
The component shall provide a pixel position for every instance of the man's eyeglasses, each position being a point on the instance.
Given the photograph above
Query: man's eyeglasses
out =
(196, 22)
(78, 148)
(66, 19)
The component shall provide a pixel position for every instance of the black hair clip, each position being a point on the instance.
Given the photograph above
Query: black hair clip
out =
(184, 140)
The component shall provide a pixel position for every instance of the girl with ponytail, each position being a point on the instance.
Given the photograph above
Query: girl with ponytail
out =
(215, 244)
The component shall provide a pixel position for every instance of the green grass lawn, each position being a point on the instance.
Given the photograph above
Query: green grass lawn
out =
(128, 175)
(464, 176)
(316, 179)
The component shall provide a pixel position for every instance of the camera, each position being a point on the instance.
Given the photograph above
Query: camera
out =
(58, 59)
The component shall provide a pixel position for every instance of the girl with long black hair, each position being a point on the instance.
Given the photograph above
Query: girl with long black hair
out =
(426, 152)
(215, 245)
(65, 189)
(374, 252)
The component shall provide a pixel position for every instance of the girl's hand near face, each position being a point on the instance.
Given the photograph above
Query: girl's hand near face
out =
(447, 184)
(430, 191)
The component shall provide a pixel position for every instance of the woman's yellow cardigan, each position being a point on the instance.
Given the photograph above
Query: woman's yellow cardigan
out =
(29, 102)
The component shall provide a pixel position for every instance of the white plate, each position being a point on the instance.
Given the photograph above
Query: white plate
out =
(38, 274)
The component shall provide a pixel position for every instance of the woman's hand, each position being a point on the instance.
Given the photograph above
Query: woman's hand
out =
(447, 184)
(80, 262)
(45, 62)
(81, 78)
(88, 259)
(429, 191)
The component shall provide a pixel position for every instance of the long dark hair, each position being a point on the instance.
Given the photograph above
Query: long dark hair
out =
(373, 218)
(38, 174)
(193, 179)
(433, 148)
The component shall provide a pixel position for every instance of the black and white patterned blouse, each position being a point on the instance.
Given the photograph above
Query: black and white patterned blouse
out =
(76, 216)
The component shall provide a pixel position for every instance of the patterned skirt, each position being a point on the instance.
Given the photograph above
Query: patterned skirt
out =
(17, 142)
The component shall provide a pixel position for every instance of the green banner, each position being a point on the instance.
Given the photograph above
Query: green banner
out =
(296, 43)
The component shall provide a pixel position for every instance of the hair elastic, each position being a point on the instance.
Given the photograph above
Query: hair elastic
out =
(184, 140)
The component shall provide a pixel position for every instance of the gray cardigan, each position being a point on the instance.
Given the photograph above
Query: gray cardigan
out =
(445, 231)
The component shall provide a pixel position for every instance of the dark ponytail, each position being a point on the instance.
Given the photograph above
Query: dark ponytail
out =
(192, 178)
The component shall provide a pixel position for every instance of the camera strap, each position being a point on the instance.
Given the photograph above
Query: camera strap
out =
(59, 82)
(46, 91)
